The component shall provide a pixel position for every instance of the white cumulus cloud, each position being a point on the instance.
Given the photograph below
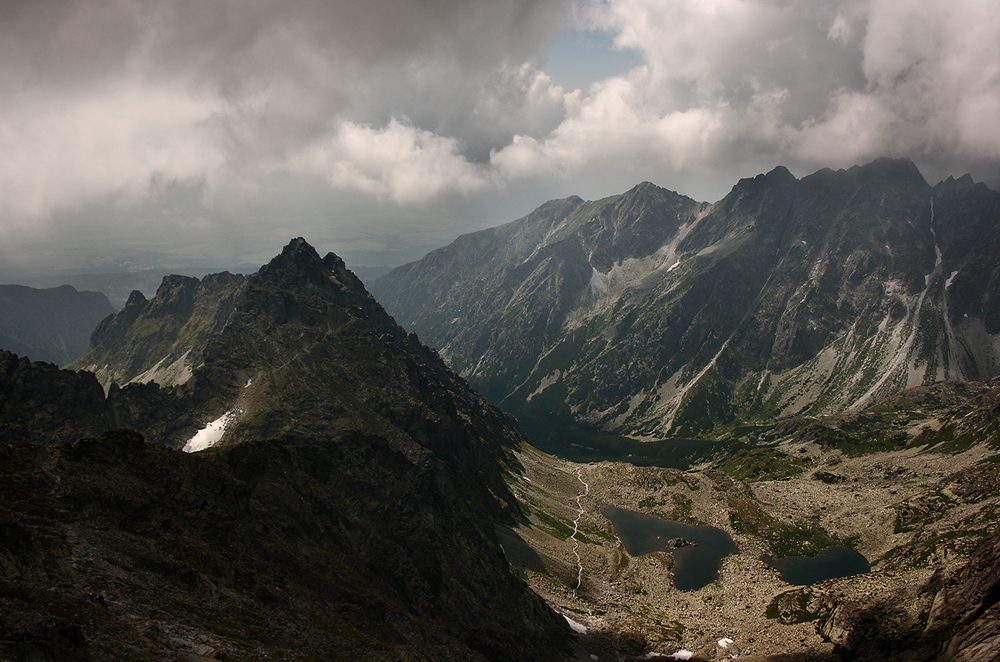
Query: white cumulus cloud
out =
(398, 162)
(741, 85)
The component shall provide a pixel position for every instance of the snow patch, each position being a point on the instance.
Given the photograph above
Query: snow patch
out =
(683, 654)
(673, 266)
(209, 435)
(579, 628)
(726, 642)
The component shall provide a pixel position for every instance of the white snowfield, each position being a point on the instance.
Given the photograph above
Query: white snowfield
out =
(208, 436)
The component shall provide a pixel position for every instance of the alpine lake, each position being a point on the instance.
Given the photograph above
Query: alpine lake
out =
(698, 551)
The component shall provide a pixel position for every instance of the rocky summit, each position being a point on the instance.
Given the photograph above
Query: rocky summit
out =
(650, 315)
(343, 505)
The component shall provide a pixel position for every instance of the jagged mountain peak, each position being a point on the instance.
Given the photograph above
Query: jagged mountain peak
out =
(644, 188)
(161, 339)
(780, 172)
(300, 259)
(965, 181)
(962, 184)
(136, 298)
(297, 259)
(298, 252)
(893, 166)
(776, 176)
(898, 172)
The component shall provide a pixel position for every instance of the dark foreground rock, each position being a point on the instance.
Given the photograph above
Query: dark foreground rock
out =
(350, 548)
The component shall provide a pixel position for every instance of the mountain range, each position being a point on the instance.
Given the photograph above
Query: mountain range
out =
(270, 467)
(650, 315)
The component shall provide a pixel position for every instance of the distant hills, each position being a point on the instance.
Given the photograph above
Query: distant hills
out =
(51, 325)
(651, 315)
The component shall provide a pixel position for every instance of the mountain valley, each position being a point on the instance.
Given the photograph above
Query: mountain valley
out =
(922, 509)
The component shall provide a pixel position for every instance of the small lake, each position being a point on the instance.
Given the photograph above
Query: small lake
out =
(694, 566)
(831, 563)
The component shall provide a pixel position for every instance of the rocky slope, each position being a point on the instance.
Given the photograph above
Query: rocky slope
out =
(40, 401)
(51, 325)
(651, 315)
(345, 510)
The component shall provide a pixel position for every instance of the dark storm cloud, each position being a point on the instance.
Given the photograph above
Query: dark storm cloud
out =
(96, 98)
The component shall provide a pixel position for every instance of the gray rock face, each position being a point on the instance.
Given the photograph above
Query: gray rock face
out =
(161, 340)
(51, 325)
(345, 512)
(652, 315)
(962, 624)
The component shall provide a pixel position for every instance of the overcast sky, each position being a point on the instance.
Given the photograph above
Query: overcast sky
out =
(172, 132)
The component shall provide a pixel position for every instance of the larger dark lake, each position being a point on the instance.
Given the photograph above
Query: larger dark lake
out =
(831, 563)
(694, 566)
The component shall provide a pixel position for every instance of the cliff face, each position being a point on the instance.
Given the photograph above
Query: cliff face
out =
(345, 510)
(652, 315)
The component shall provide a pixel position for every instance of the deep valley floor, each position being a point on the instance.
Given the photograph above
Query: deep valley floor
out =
(915, 514)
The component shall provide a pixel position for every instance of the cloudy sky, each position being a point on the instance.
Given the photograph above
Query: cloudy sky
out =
(162, 133)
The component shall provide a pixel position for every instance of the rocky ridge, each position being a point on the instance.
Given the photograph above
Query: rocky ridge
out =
(161, 340)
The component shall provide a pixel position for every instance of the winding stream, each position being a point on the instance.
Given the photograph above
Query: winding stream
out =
(576, 528)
